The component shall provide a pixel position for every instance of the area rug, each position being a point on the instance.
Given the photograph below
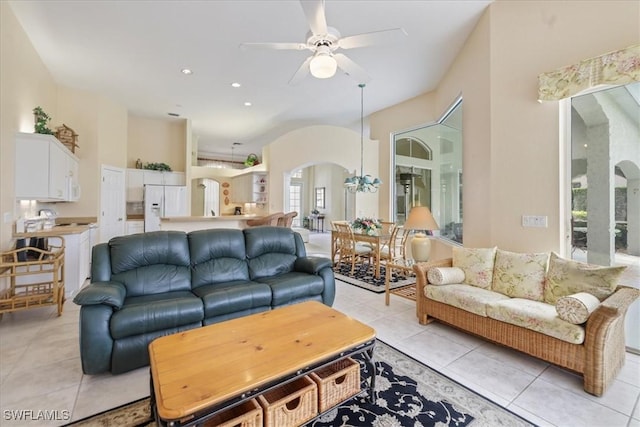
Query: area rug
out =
(407, 393)
(364, 277)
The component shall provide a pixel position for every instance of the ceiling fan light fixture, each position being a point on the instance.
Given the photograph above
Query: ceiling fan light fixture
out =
(323, 66)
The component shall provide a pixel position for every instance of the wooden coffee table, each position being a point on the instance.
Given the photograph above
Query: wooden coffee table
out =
(198, 373)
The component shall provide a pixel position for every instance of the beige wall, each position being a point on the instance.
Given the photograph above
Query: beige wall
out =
(25, 83)
(317, 145)
(512, 163)
(157, 141)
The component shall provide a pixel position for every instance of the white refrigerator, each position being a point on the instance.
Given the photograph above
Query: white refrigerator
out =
(163, 201)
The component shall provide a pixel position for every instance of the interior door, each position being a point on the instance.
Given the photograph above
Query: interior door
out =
(112, 203)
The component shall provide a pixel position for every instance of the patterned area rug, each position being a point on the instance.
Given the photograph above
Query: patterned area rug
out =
(407, 393)
(364, 277)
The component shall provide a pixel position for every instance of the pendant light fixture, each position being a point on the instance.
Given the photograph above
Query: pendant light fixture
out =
(362, 183)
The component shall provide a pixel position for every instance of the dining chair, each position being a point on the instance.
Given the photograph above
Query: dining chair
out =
(267, 220)
(347, 249)
(287, 219)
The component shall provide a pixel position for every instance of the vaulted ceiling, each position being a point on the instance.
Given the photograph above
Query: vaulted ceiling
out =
(134, 51)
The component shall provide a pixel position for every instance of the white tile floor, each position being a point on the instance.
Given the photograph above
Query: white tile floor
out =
(40, 367)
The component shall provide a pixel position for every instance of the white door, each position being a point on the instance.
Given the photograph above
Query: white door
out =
(112, 202)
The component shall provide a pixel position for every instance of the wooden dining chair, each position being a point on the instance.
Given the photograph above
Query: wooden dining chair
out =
(347, 249)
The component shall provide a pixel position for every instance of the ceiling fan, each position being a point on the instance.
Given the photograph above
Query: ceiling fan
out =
(323, 41)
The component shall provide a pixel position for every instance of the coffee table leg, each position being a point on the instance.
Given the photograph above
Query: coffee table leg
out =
(368, 358)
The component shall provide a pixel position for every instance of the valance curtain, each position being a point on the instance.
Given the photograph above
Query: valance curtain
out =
(613, 68)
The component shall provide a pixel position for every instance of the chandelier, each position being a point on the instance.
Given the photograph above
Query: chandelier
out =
(363, 183)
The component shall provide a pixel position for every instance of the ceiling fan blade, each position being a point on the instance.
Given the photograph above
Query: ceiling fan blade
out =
(377, 37)
(277, 46)
(314, 11)
(351, 68)
(302, 72)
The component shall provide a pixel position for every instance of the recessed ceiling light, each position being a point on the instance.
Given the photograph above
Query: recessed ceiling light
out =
(235, 84)
(247, 104)
(186, 71)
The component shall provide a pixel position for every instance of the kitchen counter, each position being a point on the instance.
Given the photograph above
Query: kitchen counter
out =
(192, 223)
(58, 230)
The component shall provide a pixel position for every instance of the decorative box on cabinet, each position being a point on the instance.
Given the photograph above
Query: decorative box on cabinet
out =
(45, 170)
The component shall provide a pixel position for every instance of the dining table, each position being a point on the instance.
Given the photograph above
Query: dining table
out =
(375, 240)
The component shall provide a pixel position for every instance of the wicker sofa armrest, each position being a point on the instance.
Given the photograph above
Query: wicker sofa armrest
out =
(421, 270)
(605, 341)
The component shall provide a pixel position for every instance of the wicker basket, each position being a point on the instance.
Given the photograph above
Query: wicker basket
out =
(291, 404)
(246, 414)
(337, 382)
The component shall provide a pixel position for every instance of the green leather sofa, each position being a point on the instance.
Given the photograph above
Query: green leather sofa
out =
(147, 285)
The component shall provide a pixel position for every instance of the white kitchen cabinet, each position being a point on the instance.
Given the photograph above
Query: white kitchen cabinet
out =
(45, 170)
(153, 177)
(76, 261)
(134, 226)
(135, 185)
(138, 178)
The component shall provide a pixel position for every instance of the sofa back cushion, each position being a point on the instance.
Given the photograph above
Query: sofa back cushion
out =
(151, 263)
(217, 256)
(520, 275)
(477, 264)
(272, 250)
(566, 277)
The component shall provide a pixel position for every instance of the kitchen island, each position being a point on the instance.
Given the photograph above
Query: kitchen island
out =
(193, 223)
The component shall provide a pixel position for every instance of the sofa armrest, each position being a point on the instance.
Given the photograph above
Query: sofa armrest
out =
(108, 293)
(311, 264)
(605, 342)
(421, 270)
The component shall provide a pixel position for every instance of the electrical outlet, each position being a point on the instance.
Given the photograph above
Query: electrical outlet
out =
(534, 221)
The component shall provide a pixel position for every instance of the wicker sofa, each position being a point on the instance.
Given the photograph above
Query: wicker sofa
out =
(598, 358)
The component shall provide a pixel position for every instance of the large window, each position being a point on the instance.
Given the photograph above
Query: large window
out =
(428, 172)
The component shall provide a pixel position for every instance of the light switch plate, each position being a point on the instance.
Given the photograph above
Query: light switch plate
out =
(7, 217)
(534, 221)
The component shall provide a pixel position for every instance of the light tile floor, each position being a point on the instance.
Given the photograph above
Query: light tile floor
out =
(40, 367)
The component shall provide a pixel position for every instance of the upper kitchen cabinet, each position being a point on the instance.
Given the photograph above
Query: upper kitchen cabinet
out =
(45, 169)
(138, 178)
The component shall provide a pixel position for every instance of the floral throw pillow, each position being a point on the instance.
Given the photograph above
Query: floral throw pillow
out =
(576, 308)
(477, 264)
(520, 275)
(566, 277)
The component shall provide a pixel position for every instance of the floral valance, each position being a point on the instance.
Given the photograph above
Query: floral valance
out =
(614, 68)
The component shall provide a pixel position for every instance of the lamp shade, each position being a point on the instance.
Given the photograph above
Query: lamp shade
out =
(323, 66)
(420, 218)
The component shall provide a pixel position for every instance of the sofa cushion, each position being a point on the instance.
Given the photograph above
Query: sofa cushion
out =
(150, 313)
(520, 275)
(566, 277)
(217, 256)
(577, 308)
(445, 275)
(466, 297)
(293, 287)
(537, 316)
(151, 263)
(271, 251)
(477, 264)
(223, 298)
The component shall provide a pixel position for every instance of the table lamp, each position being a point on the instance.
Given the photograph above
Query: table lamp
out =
(420, 218)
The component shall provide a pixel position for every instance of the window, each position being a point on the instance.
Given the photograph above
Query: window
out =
(320, 198)
(295, 196)
(428, 172)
